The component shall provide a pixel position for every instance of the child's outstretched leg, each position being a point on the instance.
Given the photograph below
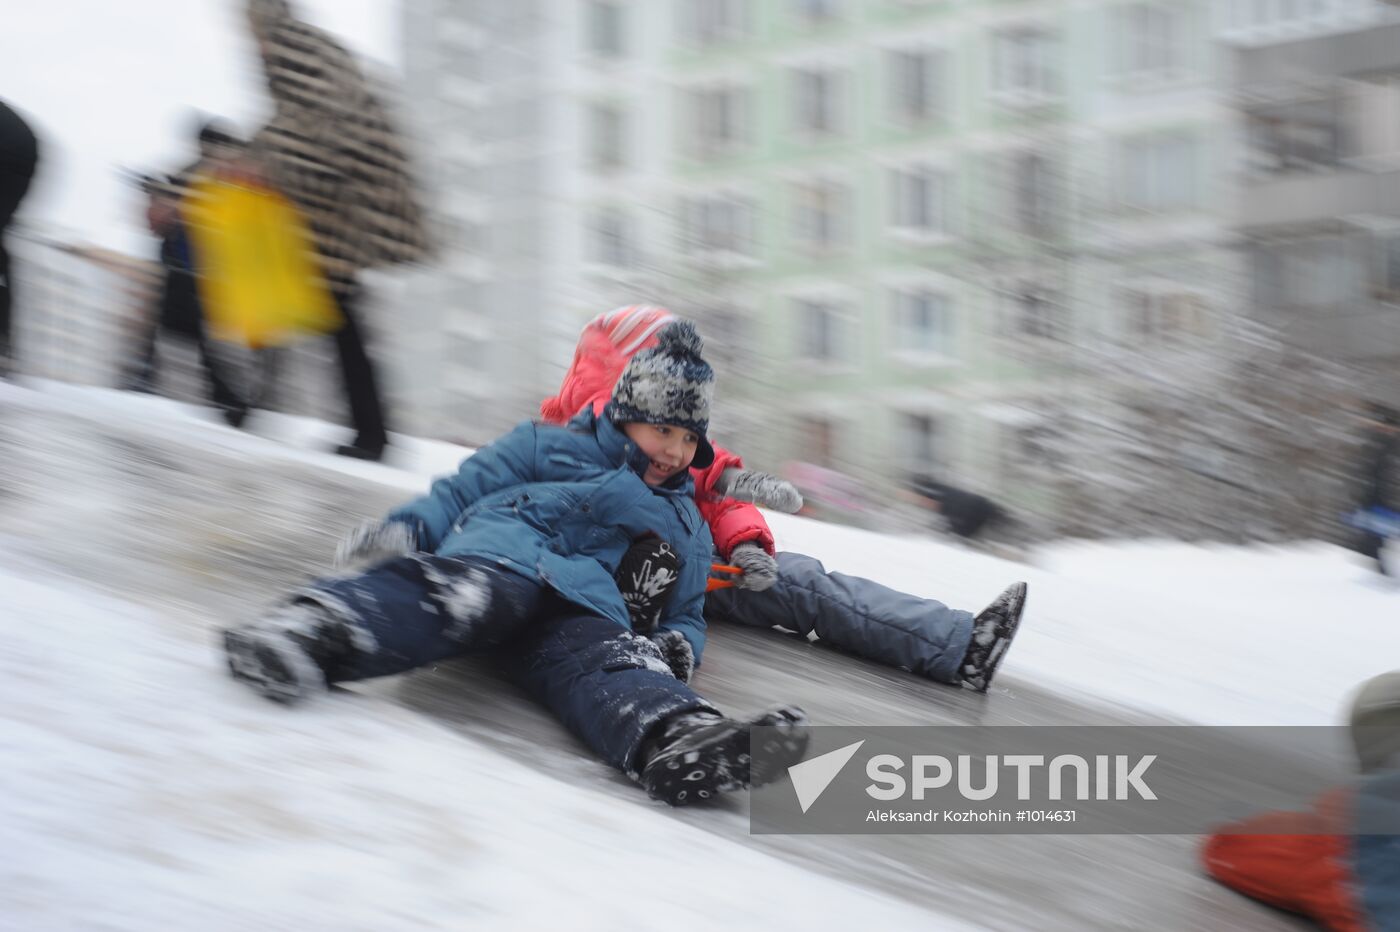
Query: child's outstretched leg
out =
(613, 690)
(400, 615)
(857, 615)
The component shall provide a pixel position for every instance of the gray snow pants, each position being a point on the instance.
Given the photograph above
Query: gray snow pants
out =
(859, 616)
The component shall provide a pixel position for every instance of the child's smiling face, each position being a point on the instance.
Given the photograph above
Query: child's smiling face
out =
(669, 449)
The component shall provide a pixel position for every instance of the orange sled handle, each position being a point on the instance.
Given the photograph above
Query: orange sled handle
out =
(720, 582)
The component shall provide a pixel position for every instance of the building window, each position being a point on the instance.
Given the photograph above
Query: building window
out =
(1025, 65)
(817, 100)
(1034, 311)
(919, 202)
(711, 22)
(606, 26)
(923, 323)
(1320, 272)
(822, 332)
(1031, 184)
(1389, 271)
(817, 12)
(1151, 39)
(607, 142)
(611, 237)
(1298, 136)
(818, 440)
(717, 224)
(1029, 448)
(1159, 173)
(719, 120)
(1155, 315)
(1255, 13)
(916, 85)
(820, 212)
(918, 448)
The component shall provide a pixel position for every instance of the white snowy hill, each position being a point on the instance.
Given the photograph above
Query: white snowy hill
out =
(143, 789)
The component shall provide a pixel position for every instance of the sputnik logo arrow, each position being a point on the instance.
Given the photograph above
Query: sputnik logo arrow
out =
(811, 777)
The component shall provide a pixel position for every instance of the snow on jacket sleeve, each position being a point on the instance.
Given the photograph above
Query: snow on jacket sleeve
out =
(686, 610)
(731, 522)
(505, 462)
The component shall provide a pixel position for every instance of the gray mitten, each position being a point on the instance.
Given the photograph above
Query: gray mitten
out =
(375, 542)
(760, 488)
(676, 650)
(760, 569)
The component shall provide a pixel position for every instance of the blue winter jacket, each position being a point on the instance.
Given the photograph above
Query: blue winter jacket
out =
(561, 505)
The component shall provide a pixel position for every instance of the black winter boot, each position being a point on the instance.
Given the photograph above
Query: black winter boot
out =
(645, 576)
(698, 755)
(992, 631)
(290, 654)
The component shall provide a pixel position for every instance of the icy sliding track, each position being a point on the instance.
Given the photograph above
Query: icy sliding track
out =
(148, 785)
(143, 790)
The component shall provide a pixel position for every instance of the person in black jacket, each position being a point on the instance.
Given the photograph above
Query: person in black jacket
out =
(1379, 497)
(179, 311)
(966, 513)
(19, 155)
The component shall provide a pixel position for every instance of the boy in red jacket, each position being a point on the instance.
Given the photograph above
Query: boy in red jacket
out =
(786, 589)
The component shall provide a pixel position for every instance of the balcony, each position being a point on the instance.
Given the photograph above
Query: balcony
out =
(1316, 199)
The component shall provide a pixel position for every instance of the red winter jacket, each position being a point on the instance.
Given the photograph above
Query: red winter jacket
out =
(1298, 861)
(604, 348)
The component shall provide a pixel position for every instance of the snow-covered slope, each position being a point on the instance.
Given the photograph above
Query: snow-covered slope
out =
(142, 789)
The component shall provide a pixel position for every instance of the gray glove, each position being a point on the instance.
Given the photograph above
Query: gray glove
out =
(760, 488)
(677, 653)
(760, 569)
(375, 542)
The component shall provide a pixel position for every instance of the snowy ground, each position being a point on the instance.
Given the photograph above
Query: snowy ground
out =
(144, 790)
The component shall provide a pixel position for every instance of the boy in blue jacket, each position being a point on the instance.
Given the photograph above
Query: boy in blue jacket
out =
(518, 552)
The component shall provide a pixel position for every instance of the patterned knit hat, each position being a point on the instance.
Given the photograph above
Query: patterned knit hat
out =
(669, 384)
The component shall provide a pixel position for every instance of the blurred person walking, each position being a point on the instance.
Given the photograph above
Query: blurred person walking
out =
(179, 311)
(19, 155)
(1377, 517)
(964, 513)
(331, 149)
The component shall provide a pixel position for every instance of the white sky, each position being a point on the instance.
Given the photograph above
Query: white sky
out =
(115, 83)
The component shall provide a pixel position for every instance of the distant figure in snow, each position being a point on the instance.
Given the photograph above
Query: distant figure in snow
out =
(1377, 517)
(179, 310)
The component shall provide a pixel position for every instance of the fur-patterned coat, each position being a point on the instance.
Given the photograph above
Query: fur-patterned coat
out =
(332, 150)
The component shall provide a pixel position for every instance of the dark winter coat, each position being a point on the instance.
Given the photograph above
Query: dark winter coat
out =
(966, 512)
(331, 149)
(561, 505)
(19, 154)
(1381, 474)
